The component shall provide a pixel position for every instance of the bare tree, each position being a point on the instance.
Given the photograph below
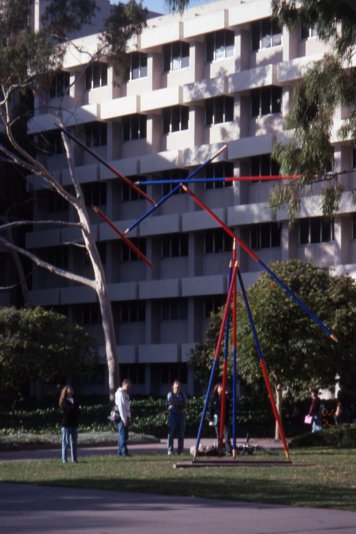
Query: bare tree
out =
(28, 60)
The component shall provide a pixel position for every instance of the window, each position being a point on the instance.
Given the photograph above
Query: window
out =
(134, 127)
(353, 227)
(306, 32)
(174, 309)
(175, 174)
(212, 304)
(175, 119)
(266, 100)
(126, 254)
(89, 314)
(174, 246)
(168, 372)
(95, 134)
(219, 109)
(132, 312)
(354, 158)
(134, 372)
(101, 246)
(51, 143)
(219, 45)
(264, 166)
(316, 230)
(128, 194)
(175, 56)
(56, 203)
(265, 235)
(57, 256)
(96, 75)
(222, 169)
(59, 85)
(265, 34)
(94, 193)
(138, 65)
(216, 241)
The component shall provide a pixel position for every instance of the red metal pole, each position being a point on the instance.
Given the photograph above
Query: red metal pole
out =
(274, 408)
(124, 238)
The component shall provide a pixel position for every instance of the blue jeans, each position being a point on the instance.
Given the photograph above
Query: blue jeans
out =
(176, 428)
(226, 437)
(123, 436)
(69, 439)
(317, 423)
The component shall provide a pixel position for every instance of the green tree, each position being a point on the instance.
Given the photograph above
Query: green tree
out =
(38, 344)
(30, 56)
(328, 83)
(298, 354)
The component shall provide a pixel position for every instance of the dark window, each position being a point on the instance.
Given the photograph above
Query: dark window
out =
(59, 85)
(265, 235)
(216, 241)
(316, 230)
(212, 304)
(57, 256)
(96, 75)
(174, 309)
(133, 371)
(95, 193)
(132, 312)
(306, 32)
(264, 166)
(95, 134)
(51, 143)
(138, 65)
(219, 109)
(219, 45)
(266, 100)
(222, 169)
(174, 246)
(168, 372)
(176, 174)
(134, 127)
(265, 34)
(175, 119)
(175, 56)
(128, 194)
(126, 254)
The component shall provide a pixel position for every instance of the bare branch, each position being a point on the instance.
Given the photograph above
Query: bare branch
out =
(48, 266)
(15, 224)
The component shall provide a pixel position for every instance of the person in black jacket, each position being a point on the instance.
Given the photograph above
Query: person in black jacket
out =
(70, 419)
(214, 415)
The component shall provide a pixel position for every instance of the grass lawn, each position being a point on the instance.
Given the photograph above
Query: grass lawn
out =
(317, 477)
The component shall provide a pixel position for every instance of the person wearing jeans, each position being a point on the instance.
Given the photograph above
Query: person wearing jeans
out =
(69, 429)
(177, 403)
(122, 401)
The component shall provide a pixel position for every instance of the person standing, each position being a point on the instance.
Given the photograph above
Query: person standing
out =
(70, 419)
(214, 416)
(177, 403)
(122, 401)
(315, 411)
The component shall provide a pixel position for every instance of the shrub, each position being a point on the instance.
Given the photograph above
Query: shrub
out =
(343, 436)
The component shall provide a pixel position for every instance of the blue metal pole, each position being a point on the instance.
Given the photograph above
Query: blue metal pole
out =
(168, 195)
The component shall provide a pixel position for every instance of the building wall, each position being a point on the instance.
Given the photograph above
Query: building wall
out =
(161, 313)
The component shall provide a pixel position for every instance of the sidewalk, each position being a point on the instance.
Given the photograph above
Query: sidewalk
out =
(28, 509)
(54, 510)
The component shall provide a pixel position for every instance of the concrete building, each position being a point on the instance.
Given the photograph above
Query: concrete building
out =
(221, 73)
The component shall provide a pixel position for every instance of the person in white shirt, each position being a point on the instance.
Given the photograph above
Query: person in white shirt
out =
(122, 401)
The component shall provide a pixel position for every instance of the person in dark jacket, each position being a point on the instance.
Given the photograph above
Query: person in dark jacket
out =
(70, 420)
(214, 415)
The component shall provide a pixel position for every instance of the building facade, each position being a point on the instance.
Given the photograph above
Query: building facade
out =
(221, 73)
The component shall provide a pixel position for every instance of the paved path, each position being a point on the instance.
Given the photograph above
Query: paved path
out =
(54, 510)
(26, 509)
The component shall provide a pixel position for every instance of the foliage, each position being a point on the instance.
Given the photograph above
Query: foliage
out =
(328, 83)
(298, 353)
(40, 344)
(343, 436)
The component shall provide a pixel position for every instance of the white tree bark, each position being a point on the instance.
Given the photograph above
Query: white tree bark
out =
(98, 283)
